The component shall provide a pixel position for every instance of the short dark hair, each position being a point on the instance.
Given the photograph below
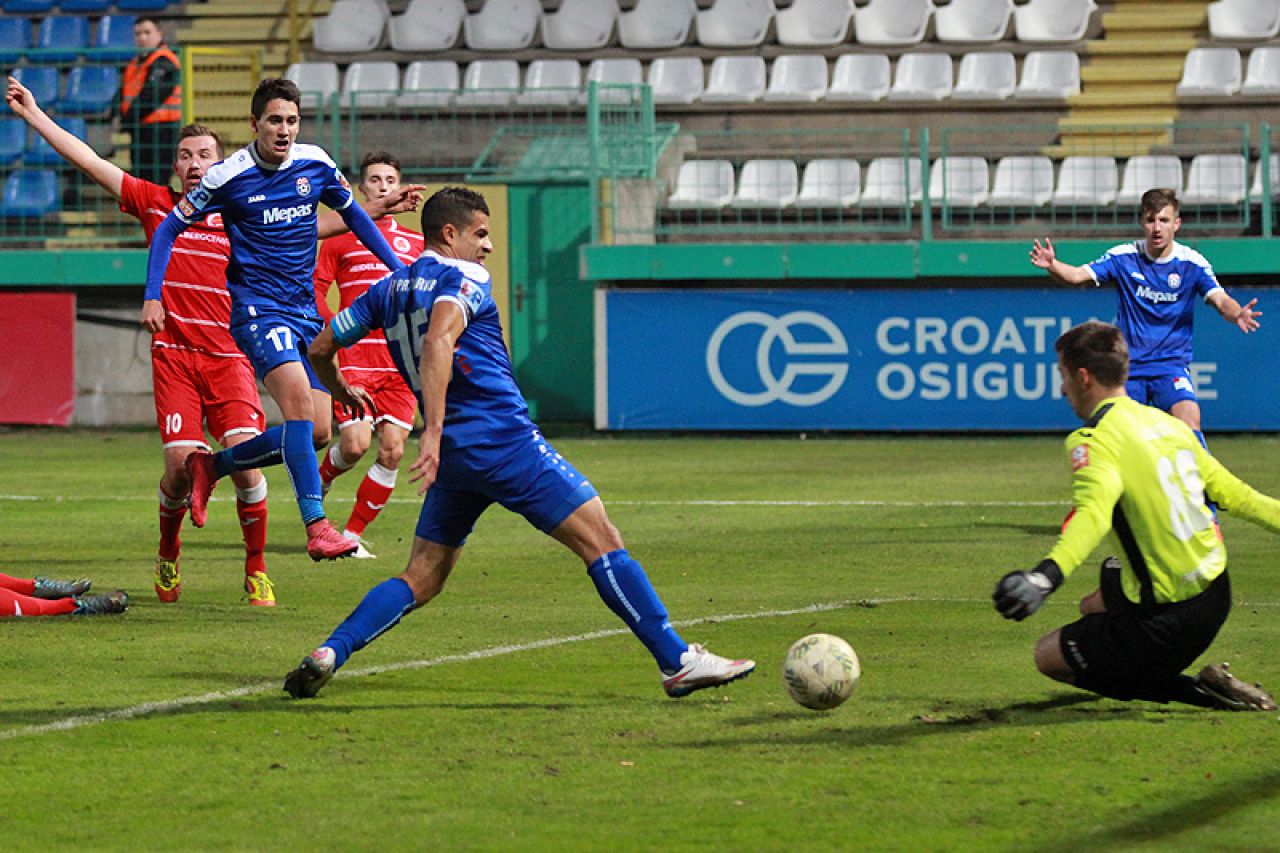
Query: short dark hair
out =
(374, 158)
(1098, 348)
(1156, 200)
(190, 130)
(149, 19)
(274, 88)
(455, 206)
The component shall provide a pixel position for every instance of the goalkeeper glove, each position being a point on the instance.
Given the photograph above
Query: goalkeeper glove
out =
(1019, 594)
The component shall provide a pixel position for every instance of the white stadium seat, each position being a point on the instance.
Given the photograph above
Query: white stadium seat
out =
(317, 80)
(352, 26)
(891, 182)
(503, 25)
(490, 82)
(990, 76)
(428, 25)
(580, 25)
(767, 184)
(814, 23)
(1216, 179)
(800, 77)
(370, 84)
(860, 77)
(429, 83)
(1211, 71)
(1262, 76)
(1049, 74)
(892, 22)
(1244, 19)
(1086, 181)
(735, 80)
(1022, 181)
(735, 23)
(1053, 20)
(656, 23)
(1256, 188)
(551, 81)
(830, 182)
(1148, 171)
(922, 77)
(619, 72)
(960, 181)
(676, 79)
(972, 21)
(706, 184)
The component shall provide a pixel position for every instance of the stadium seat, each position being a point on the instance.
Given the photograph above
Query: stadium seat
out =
(767, 184)
(1148, 171)
(61, 38)
(552, 81)
(922, 77)
(41, 153)
(800, 77)
(114, 34)
(1022, 181)
(1086, 181)
(427, 25)
(352, 26)
(1216, 179)
(735, 80)
(703, 184)
(13, 139)
(1053, 20)
(490, 82)
(891, 182)
(960, 181)
(830, 182)
(41, 81)
(580, 25)
(15, 38)
(1244, 19)
(317, 80)
(502, 25)
(143, 5)
(90, 89)
(370, 84)
(28, 7)
(972, 21)
(1049, 74)
(30, 193)
(860, 77)
(676, 79)
(613, 72)
(1262, 75)
(656, 23)
(429, 83)
(1210, 71)
(1256, 188)
(82, 7)
(989, 76)
(892, 22)
(814, 23)
(735, 23)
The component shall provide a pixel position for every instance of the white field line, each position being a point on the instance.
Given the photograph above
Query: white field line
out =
(743, 503)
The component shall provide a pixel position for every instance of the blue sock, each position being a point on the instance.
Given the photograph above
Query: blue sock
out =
(258, 452)
(623, 585)
(382, 607)
(304, 471)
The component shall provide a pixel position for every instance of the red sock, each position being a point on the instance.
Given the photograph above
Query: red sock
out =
(15, 604)
(22, 586)
(371, 497)
(253, 524)
(172, 511)
(329, 470)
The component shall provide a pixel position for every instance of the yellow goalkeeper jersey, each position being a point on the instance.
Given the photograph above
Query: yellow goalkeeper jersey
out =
(1142, 475)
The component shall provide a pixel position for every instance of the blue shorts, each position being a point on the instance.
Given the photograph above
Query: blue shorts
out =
(1163, 391)
(534, 481)
(273, 338)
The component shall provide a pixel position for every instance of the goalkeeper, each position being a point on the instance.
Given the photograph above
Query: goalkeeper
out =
(1143, 475)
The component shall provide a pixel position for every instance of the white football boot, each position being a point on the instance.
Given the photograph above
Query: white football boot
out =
(700, 668)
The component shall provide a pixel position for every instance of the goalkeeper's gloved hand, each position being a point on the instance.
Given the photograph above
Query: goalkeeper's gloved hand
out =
(1019, 594)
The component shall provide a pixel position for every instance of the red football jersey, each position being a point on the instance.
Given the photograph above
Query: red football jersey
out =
(197, 306)
(345, 259)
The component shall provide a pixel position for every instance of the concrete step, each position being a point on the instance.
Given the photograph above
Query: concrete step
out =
(1124, 96)
(1109, 69)
(1142, 44)
(1155, 17)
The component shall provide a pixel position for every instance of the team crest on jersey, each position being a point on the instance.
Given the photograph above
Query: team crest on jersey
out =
(1079, 457)
(303, 186)
(186, 208)
(1174, 279)
(400, 244)
(213, 220)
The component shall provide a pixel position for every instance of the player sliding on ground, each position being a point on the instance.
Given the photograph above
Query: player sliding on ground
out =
(1145, 476)
(46, 597)
(479, 447)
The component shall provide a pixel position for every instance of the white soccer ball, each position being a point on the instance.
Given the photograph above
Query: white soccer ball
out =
(821, 671)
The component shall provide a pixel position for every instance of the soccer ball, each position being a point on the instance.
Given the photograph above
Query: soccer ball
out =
(821, 671)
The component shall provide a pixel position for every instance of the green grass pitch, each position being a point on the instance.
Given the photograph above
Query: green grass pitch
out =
(512, 712)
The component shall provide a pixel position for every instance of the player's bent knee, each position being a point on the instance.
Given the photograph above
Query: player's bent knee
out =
(1049, 659)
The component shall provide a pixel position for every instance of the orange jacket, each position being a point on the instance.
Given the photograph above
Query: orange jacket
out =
(135, 77)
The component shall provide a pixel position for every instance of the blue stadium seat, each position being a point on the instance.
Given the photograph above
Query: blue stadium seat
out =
(13, 139)
(15, 38)
(30, 193)
(41, 153)
(93, 7)
(90, 89)
(43, 83)
(28, 7)
(143, 5)
(115, 32)
(61, 38)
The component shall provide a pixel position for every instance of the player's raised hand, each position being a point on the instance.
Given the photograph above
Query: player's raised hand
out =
(1247, 319)
(1043, 254)
(20, 99)
(152, 318)
(356, 399)
(403, 200)
(427, 465)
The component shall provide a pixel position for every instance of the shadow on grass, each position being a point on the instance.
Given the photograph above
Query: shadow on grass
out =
(1037, 530)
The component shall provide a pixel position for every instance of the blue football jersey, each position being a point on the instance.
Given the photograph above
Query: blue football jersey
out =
(483, 407)
(269, 213)
(1157, 301)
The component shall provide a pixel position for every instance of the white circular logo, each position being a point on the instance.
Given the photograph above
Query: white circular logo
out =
(401, 245)
(779, 387)
(1174, 280)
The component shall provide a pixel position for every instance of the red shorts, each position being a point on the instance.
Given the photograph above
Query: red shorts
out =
(192, 388)
(395, 401)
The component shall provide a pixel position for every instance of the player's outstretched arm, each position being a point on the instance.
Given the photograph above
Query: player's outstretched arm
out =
(75, 151)
(329, 223)
(1243, 317)
(368, 234)
(162, 241)
(1045, 257)
(435, 367)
